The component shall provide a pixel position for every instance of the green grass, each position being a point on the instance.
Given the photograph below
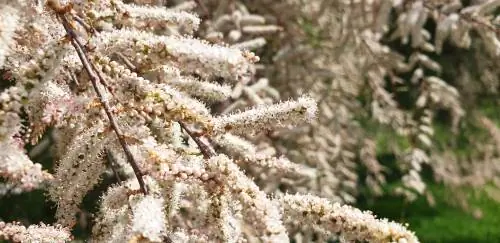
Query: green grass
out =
(445, 222)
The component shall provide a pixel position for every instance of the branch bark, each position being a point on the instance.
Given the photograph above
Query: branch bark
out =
(95, 79)
(205, 148)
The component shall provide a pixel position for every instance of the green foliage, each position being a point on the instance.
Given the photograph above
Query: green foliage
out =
(27, 207)
(444, 222)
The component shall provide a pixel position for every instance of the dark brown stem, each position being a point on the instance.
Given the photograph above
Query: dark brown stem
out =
(101, 78)
(205, 148)
(98, 76)
(87, 27)
(95, 79)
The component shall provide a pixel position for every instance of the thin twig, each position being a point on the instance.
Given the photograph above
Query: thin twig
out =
(127, 62)
(74, 38)
(87, 27)
(73, 78)
(93, 31)
(95, 79)
(101, 79)
(205, 148)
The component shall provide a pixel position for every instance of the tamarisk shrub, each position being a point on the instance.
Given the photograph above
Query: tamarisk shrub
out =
(127, 83)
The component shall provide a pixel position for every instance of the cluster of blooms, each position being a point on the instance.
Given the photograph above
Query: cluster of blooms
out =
(119, 83)
(34, 233)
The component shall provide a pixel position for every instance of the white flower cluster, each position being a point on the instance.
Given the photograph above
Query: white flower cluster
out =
(266, 117)
(187, 21)
(34, 233)
(148, 217)
(352, 224)
(9, 23)
(189, 55)
(19, 170)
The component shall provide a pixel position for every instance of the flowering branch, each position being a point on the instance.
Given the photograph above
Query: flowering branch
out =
(135, 65)
(94, 78)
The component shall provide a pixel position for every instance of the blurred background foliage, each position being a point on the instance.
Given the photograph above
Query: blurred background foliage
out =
(444, 215)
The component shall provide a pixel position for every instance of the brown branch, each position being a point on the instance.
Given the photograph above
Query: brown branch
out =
(101, 79)
(95, 79)
(73, 78)
(87, 27)
(93, 31)
(205, 148)
(127, 63)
